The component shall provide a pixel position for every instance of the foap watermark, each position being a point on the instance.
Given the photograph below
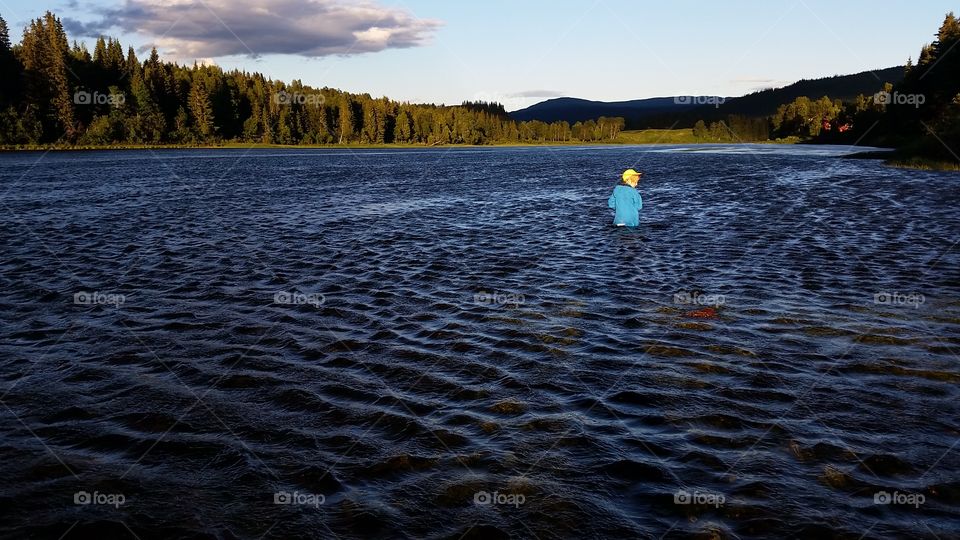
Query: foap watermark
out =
(297, 98)
(707, 498)
(296, 498)
(115, 500)
(896, 98)
(716, 101)
(293, 298)
(84, 298)
(904, 499)
(114, 99)
(699, 299)
(485, 498)
(499, 299)
(914, 300)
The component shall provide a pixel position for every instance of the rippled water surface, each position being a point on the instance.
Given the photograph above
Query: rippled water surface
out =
(391, 339)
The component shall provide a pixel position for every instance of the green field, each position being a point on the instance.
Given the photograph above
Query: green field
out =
(657, 136)
(680, 136)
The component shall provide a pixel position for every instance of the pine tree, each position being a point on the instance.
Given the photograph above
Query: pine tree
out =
(4, 37)
(44, 52)
(9, 71)
(926, 56)
(346, 120)
(115, 59)
(201, 111)
(132, 64)
(57, 73)
(100, 53)
(949, 30)
(147, 120)
(373, 122)
(404, 127)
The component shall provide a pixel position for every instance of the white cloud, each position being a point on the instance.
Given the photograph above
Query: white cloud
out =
(755, 84)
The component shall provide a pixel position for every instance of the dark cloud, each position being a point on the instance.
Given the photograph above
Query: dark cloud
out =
(537, 94)
(77, 28)
(190, 29)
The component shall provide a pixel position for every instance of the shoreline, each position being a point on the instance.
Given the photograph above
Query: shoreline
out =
(653, 137)
(900, 160)
(663, 137)
(86, 148)
(252, 146)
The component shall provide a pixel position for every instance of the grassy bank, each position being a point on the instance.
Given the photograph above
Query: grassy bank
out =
(905, 160)
(656, 136)
(923, 164)
(681, 136)
(646, 136)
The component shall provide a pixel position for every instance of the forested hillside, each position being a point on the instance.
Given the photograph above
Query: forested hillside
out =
(52, 92)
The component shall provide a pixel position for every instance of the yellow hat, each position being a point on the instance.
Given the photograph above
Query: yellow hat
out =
(630, 173)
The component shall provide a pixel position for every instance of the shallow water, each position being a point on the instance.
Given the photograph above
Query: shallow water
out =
(389, 335)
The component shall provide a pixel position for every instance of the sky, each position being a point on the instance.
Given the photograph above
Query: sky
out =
(516, 52)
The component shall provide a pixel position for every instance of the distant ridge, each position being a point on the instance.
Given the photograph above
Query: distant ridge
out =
(765, 102)
(684, 111)
(578, 110)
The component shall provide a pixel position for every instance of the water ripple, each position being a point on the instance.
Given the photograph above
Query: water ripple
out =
(398, 333)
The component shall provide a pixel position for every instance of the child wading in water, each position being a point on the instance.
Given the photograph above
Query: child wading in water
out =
(626, 201)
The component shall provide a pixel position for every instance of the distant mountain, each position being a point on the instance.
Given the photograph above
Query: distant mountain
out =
(844, 87)
(684, 111)
(578, 110)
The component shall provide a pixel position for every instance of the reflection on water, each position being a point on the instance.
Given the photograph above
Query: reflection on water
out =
(455, 343)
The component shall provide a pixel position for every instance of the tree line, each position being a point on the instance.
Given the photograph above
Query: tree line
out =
(803, 118)
(919, 115)
(735, 128)
(52, 92)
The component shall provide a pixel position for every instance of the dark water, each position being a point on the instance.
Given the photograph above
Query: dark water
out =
(382, 337)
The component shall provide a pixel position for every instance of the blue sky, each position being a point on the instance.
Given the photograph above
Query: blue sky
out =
(516, 52)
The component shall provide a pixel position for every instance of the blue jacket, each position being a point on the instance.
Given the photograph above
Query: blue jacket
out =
(627, 203)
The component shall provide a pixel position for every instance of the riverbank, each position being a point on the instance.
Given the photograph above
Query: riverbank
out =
(684, 136)
(923, 164)
(646, 136)
(904, 160)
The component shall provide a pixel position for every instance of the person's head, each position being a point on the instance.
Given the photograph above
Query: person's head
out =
(631, 177)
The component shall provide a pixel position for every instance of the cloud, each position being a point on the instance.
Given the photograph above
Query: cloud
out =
(536, 94)
(188, 29)
(756, 84)
(752, 80)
